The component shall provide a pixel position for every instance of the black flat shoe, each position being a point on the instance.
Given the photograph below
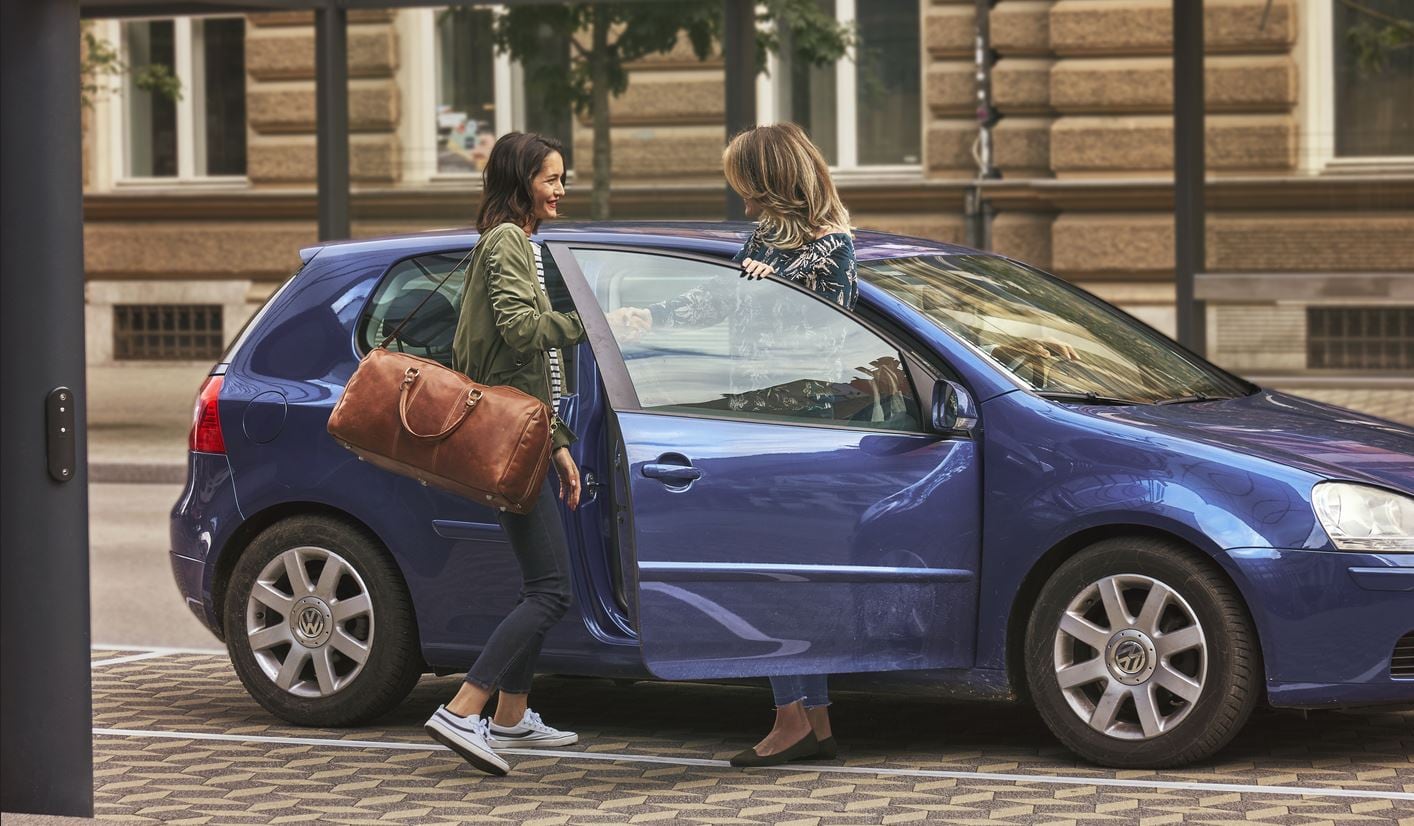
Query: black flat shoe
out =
(802, 749)
(828, 749)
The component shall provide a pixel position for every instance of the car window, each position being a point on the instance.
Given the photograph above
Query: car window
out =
(429, 333)
(1044, 332)
(697, 338)
(432, 329)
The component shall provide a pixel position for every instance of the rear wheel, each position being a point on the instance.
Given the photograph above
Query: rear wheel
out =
(319, 624)
(1139, 655)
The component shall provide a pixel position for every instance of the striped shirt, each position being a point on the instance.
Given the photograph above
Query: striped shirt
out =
(556, 379)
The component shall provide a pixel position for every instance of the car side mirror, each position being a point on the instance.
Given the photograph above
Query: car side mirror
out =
(953, 408)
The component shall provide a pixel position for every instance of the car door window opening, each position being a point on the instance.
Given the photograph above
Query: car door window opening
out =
(722, 346)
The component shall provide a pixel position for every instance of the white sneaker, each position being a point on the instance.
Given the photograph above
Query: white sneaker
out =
(466, 736)
(531, 731)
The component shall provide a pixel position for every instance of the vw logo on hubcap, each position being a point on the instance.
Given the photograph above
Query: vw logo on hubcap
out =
(311, 622)
(1131, 657)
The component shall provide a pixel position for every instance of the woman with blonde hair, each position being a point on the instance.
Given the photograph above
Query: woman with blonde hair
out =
(802, 235)
(802, 232)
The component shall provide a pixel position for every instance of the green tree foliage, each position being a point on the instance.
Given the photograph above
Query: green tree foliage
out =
(605, 37)
(101, 65)
(1376, 35)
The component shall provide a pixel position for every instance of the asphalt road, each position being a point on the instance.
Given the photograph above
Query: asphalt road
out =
(178, 739)
(132, 595)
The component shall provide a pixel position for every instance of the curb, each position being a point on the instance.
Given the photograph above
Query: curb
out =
(138, 472)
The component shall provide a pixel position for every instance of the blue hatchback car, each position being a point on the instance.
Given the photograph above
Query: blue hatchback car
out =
(983, 483)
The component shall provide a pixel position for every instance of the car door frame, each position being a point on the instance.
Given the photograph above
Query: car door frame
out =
(621, 394)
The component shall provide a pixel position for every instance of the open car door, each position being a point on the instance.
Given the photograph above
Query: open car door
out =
(788, 508)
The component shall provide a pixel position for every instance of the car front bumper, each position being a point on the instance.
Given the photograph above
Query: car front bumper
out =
(1329, 623)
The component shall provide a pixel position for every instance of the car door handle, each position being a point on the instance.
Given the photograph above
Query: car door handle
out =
(671, 473)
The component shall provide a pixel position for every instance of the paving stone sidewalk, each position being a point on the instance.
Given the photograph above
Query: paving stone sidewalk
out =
(262, 770)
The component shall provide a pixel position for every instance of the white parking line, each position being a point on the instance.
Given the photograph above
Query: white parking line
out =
(1179, 785)
(131, 658)
(156, 649)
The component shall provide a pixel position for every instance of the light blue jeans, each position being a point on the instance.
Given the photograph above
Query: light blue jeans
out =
(812, 688)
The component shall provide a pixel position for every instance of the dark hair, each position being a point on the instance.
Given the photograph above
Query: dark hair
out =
(505, 182)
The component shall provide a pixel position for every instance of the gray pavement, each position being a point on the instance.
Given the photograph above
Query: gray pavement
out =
(133, 598)
(176, 738)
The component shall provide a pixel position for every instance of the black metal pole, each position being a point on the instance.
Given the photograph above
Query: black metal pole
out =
(977, 211)
(739, 53)
(1189, 170)
(46, 719)
(332, 109)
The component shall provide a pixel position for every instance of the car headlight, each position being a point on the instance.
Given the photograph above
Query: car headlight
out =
(1364, 518)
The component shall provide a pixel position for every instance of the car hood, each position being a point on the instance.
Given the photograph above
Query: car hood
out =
(1322, 439)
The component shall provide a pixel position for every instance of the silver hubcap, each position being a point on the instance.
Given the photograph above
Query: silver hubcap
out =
(1131, 657)
(309, 620)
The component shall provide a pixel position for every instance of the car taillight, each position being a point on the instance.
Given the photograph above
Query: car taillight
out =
(206, 424)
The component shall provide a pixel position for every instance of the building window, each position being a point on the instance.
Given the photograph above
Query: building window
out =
(472, 94)
(202, 134)
(864, 111)
(1360, 338)
(167, 332)
(1374, 84)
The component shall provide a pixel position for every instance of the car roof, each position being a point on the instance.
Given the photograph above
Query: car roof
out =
(711, 237)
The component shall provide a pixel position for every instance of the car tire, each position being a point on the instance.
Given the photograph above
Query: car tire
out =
(345, 650)
(1156, 699)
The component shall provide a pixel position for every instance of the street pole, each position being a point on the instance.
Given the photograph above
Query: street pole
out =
(977, 211)
(1189, 170)
(739, 52)
(46, 719)
(331, 85)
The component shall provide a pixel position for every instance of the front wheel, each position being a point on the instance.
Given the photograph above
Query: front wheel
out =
(1139, 655)
(319, 624)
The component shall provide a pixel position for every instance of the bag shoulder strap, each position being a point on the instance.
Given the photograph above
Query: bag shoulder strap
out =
(428, 297)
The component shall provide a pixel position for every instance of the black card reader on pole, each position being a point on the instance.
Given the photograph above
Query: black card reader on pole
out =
(59, 433)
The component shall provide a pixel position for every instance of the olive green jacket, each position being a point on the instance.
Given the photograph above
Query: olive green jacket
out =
(507, 324)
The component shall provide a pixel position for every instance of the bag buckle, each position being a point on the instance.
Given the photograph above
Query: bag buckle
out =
(409, 377)
(473, 397)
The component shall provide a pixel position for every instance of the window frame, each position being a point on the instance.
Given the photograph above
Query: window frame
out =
(362, 343)
(417, 30)
(111, 114)
(846, 100)
(1317, 105)
(617, 374)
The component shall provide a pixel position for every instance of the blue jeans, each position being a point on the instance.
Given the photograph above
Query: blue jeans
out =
(538, 540)
(812, 688)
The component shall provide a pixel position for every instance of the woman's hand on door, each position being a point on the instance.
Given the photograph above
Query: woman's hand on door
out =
(568, 472)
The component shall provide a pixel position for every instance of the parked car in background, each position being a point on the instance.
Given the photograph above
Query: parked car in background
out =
(984, 483)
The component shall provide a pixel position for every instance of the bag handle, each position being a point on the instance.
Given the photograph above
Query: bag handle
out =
(421, 304)
(409, 378)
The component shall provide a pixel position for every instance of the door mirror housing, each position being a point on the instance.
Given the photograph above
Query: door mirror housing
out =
(954, 411)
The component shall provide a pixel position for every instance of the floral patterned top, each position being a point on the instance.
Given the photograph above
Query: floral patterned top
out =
(824, 265)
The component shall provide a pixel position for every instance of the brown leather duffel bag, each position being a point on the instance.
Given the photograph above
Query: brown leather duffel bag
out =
(417, 418)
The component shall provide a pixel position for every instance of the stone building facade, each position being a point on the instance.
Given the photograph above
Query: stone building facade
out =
(1310, 233)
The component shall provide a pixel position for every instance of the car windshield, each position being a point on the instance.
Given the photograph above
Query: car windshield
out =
(1063, 342)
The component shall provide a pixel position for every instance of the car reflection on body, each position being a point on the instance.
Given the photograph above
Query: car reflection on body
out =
(983, 483)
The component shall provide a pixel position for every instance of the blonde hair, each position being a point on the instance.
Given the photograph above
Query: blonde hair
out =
(779, 169)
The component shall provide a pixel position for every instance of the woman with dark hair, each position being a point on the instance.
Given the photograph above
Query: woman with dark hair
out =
(509, 334)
